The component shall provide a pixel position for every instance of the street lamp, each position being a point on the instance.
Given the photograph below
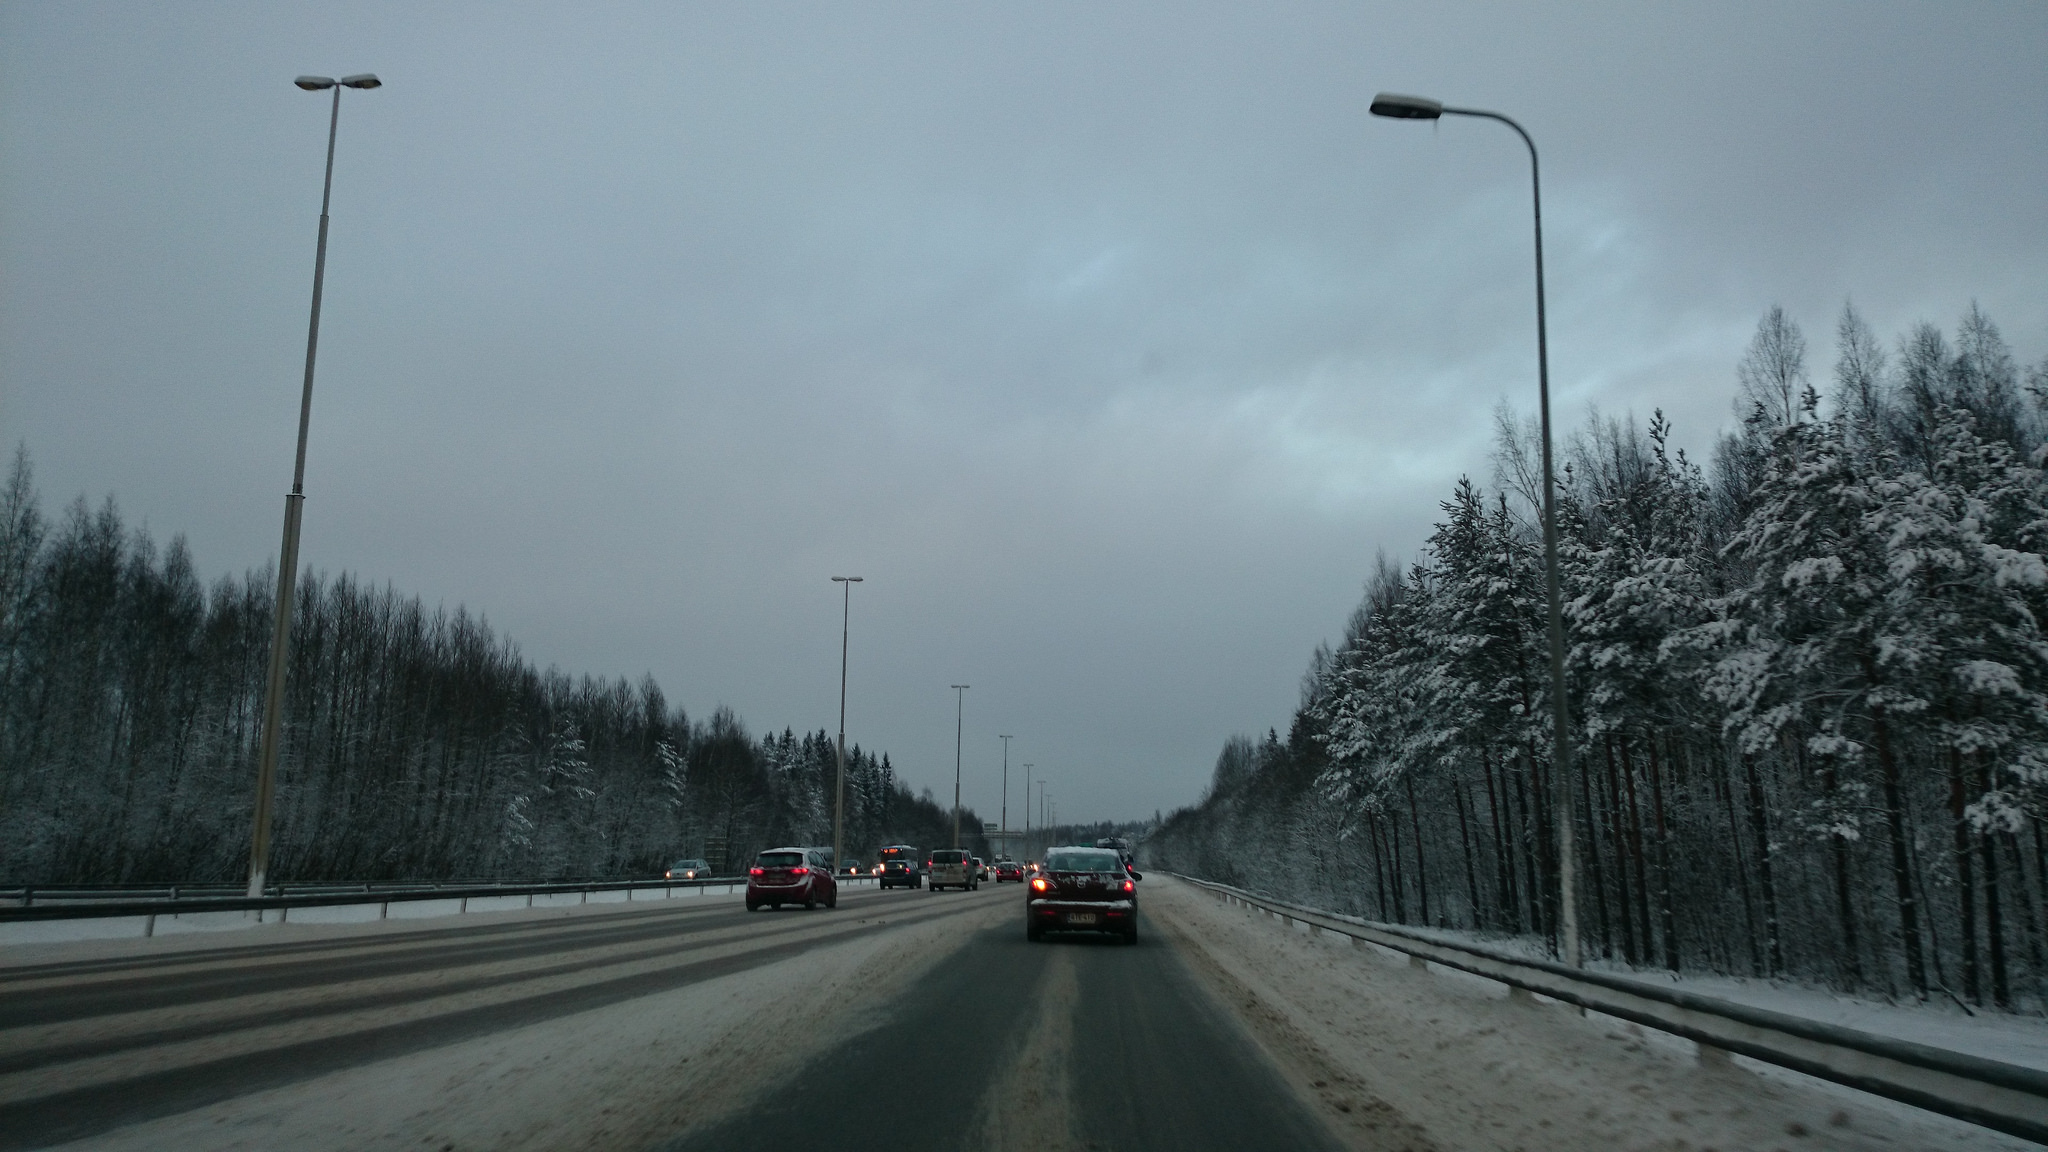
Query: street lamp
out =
(1027, 809)
(1422, 108)
(288, 559)
(1006, 794)
(846, 584)
(959, 711)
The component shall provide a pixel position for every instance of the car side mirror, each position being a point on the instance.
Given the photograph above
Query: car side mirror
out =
(1136, 875)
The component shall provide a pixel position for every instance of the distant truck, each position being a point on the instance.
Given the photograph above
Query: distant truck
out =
(1119, 845)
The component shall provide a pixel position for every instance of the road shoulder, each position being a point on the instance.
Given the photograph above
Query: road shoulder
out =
(1452, 1058)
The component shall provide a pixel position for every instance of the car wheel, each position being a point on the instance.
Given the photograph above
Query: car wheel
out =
(753, 905)
(832, 901)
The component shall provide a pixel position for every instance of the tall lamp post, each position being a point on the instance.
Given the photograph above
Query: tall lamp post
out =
(846, 584)
(288, 559)
(1422, 108)
(959, 712)
(1027, 810)
(1006, 794)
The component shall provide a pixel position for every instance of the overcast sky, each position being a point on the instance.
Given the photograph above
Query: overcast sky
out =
(1107, 342)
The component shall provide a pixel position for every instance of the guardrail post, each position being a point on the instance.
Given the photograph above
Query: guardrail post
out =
(1712, 1057)
(464, 909)
(1415, 961)
(384, 910)
(149, 926)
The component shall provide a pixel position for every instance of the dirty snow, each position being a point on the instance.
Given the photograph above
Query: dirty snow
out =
(627, 1075)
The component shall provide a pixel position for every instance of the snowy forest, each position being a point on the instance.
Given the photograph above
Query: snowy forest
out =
(419, 745)
(1808, 685)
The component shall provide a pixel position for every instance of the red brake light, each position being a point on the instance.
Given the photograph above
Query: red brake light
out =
(1130, 887)
(799, 871)
(1038, 883)
(756, 871)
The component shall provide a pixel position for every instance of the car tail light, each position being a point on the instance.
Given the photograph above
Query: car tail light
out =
(1130, 887)
(757, 871)
(1038, 884)
(799, 871)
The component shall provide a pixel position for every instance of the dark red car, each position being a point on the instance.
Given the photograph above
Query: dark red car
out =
(792, 876)
(1009, 870)
(1082, 890)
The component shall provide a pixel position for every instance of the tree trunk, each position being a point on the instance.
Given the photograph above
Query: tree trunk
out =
(1394, 856)
(1545, 880)
(1635, 850)
(1379, 872)
(1503, 855)
(1465, 841)
(1994, 916)
(1664, 907)
(1421, 867)
(1628, 929)
(1760, 826)
(1526, 854)
(1727, 791)
(1966, 888)
(1902, 876)
(1599, 885)
(2030, 902)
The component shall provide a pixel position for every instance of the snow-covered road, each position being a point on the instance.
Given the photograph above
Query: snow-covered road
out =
(903, 1020)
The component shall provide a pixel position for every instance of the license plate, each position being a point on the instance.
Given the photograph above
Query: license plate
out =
(1080, 917)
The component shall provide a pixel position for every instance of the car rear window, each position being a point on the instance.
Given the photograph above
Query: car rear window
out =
(1084, 862)
(948, 856)
(781, 860)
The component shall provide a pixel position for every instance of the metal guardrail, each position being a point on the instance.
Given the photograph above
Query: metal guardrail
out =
(28, 895)
(2008, 1097)
(358, 895)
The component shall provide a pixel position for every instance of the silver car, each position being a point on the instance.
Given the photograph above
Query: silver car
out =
(694, 869)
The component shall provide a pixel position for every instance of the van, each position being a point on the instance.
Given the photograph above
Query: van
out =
(951, 868)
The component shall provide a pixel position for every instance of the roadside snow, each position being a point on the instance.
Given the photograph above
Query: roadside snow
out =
(1403, 1057)
(1993, 1035)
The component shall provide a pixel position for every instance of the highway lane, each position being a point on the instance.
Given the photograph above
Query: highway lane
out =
(90, 1046)
(902, 1020)
(1076, 1042)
